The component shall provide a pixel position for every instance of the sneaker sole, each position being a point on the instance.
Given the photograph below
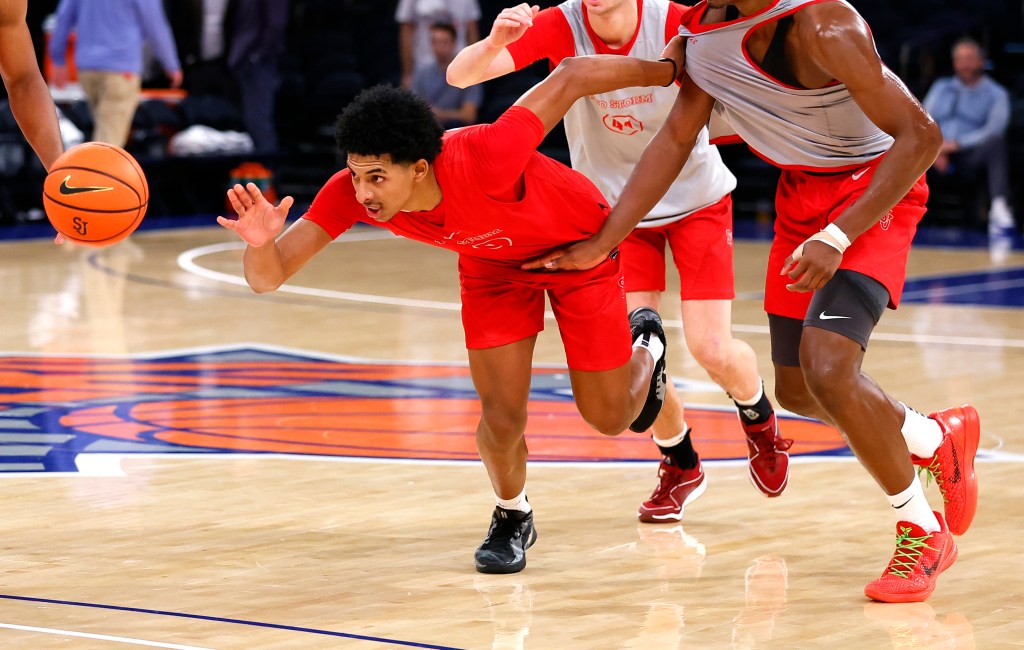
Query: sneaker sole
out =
(672, 516)
(972, 436)
(764, 489)
(509, 568)
(915, 596)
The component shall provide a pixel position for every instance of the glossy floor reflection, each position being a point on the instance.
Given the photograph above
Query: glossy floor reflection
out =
(143, 532)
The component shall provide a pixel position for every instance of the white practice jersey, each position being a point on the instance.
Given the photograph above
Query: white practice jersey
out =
(821, 128)
(607, 133)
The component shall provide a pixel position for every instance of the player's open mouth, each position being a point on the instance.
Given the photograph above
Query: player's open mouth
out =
(373, 212)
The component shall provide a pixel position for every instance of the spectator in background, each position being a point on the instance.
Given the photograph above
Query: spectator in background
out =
(454, 107)
(256, 38)
(108, 55)
(415, 17)
(199, 29)
(973, 111)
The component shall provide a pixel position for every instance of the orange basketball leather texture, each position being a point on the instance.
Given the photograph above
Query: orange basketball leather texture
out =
(95, 194)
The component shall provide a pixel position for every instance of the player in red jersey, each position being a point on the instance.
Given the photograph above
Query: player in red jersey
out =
(607, 134)
(485, 192)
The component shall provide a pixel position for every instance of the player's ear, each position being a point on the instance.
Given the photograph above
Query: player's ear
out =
(420, 169)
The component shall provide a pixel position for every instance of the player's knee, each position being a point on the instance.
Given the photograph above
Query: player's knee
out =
(503, 424)
(607, 421)
(712, 353)
(825, 376)
(795, 398)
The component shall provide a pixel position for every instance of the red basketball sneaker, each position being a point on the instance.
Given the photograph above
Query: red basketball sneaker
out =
(952, 465)
(767, 456)
(915, 566)
(676, 489)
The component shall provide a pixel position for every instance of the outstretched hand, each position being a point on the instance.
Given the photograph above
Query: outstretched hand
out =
(577, 257)
(258, 221)
(512, 23)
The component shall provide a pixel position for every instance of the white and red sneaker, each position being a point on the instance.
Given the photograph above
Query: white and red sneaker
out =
(767, 456)
(676, 489)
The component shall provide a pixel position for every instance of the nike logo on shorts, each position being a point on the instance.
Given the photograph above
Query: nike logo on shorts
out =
(824, 316)
(857, 175)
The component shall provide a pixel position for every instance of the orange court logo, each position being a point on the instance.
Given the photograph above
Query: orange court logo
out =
(255, 399)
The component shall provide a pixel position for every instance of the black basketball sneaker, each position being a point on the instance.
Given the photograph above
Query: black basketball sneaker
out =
(504, 548)
(644, 323)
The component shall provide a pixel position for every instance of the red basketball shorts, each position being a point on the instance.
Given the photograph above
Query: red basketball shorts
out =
(701, 245)
(806, 202)
(502, 304)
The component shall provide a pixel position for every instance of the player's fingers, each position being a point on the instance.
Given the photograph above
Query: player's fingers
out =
(285, 205)
(798, 269)
(254, 192)
(59, 239)
(234, 198)
(230, 224)
(548, 262)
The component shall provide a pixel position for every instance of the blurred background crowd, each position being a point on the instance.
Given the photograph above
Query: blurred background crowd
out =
(249, 89)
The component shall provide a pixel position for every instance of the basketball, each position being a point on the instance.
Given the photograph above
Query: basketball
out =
(95, 194)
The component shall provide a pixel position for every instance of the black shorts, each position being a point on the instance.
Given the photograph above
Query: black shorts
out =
(850, 304)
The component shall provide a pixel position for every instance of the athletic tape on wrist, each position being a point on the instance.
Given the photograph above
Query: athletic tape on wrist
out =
(831, 235)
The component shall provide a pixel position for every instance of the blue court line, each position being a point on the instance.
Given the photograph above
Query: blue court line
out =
(235, 621)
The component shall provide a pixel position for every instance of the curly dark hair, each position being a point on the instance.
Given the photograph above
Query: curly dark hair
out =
(387, 120)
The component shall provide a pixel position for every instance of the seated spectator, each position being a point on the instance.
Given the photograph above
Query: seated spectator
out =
(454, 107)
(973, 111)
(415, 17)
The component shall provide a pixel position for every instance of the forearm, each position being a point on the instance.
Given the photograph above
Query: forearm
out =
(907, 160)
(264, 267)
(37, 117)
(657, 169)
(470, 65)
(581, 76)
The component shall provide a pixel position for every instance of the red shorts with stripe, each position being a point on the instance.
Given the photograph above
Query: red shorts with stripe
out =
(806, 202)
(701, 245)
(502, 304)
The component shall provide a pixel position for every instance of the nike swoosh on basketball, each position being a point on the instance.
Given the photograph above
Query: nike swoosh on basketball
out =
(824, 316)
(857, 175)
(67, 189)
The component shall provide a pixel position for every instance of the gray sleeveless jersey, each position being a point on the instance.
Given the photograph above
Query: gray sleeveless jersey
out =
(608, 132)
(792, 127)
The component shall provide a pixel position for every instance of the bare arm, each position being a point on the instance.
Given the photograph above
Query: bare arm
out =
(654, 173)
(842, 46)
(269, 260)
(580, 76)
(837, 41)
(489, 58)
(30, 99)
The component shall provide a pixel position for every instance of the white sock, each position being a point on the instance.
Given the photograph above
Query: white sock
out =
(651, 343)
(1000, 214)
(753, 400)
(674, 440)
(518, 502)
(911, 505)
(923, 434)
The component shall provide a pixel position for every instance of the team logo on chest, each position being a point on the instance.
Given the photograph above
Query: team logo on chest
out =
(624, 124)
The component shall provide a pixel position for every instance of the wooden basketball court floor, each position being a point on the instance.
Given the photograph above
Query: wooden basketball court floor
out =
(131, 373)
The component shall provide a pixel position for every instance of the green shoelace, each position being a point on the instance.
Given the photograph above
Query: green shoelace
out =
(908, 552)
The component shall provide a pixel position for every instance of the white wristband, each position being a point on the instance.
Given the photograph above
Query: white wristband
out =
(831, 235)
(840, 236)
